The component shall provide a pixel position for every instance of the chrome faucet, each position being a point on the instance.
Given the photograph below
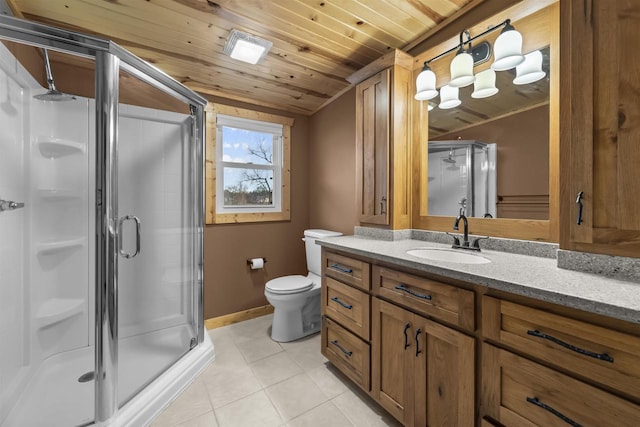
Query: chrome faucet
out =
(465, 236)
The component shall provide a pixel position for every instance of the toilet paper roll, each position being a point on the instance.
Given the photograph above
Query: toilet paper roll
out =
(257, 263)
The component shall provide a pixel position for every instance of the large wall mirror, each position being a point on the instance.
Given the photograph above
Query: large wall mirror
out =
(494, 158)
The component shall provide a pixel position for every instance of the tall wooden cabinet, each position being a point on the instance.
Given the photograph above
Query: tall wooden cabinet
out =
(601, 126)
(383, 149)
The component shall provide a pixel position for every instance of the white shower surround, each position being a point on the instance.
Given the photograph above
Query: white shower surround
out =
(47, 323)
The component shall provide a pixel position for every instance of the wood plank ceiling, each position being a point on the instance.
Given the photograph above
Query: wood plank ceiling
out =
(316, 43)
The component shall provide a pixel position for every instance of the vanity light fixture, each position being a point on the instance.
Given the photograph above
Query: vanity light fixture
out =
(426, 84)
(462, 64)
(508, 54)
(246, 47)
(449, 97)
(530, 70)
(508, 48)
(485, 84)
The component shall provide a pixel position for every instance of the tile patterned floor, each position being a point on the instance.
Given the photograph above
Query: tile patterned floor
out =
(255, 381)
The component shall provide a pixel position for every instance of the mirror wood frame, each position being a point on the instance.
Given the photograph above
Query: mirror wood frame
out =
(539, 23)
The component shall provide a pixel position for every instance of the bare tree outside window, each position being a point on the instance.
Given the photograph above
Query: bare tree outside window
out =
(251, 186)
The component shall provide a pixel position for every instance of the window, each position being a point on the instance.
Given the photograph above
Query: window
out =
(247, 165)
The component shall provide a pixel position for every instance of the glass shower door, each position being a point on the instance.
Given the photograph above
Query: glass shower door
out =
(156, 238)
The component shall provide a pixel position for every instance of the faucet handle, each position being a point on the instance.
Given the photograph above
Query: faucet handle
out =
(456, 239)
(476, 242)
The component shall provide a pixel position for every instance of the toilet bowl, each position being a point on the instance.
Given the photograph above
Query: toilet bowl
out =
(296, 298)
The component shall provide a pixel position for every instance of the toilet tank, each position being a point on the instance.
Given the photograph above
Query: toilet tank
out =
(313, 251)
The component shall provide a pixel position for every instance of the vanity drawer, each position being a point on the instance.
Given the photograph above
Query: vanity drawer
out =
(603, 355)
(347, 270)
(524, 393)
(429, 297)
(347, 306)
(347, 352)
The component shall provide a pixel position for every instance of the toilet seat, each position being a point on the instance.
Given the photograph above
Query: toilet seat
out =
(289, 285)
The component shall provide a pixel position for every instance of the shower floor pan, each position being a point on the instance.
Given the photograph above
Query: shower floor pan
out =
(56, 397)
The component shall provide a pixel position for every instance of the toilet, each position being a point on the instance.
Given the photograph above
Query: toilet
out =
(296, 299)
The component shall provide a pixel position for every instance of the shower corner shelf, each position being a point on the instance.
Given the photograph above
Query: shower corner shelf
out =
(52, 148)
(56, 310)
(49, 248)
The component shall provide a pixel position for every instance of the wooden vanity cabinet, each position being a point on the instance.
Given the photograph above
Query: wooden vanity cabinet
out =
(412, 342)
(422, 372)
(600, 126)
(345, 308)
(383, 149)
(546, 369)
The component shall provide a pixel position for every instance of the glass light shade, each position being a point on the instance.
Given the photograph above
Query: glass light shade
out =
(507, 51)
(530, 70)
(449, 97)
(485, 84)
(462, 70)
(430, 107)
(426, 85)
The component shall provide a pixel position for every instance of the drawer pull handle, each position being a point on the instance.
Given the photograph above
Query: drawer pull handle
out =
(344, 270)
(403, 288)
(406, 337)
(555, 412)
(347, 306)
(599, 356)
(347, 353)
(418, 351)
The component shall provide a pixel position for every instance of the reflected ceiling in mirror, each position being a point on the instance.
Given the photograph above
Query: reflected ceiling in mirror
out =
(510, 98)
(514, 123)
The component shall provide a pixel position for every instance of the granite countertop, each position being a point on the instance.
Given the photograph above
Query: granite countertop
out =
(526, 275)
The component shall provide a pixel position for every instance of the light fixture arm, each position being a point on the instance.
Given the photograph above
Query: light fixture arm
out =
(506, 24)
(462, 43)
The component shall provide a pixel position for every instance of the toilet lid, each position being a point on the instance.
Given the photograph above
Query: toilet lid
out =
(289, 284)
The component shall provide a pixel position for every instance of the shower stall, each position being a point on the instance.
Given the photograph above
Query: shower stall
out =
(462, 178)
(101, 226)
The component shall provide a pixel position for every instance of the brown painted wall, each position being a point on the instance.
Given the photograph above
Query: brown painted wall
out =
(229, 284)
(523, 150)
(332, 152)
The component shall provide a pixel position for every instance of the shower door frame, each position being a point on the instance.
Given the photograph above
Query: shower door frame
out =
(109, 59)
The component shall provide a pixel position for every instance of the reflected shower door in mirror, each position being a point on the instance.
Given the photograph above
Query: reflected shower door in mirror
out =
(515, 121)
(462, 178)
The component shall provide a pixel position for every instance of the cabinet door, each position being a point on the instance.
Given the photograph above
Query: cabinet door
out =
(391, 370)
(604, 127)
(444, 375)
(372, 148)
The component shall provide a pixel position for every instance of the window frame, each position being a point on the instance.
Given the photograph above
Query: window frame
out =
(214, 164)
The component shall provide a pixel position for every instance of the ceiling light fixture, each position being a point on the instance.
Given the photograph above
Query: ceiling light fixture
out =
(246, 47)
(508, 54)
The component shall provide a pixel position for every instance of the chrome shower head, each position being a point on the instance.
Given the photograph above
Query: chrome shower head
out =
(450, 159)
(52, 94)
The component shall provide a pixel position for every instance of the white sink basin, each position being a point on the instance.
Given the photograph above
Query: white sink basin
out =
(449, 255)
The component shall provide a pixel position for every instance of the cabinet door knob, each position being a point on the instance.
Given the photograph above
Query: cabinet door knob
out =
(383, 203)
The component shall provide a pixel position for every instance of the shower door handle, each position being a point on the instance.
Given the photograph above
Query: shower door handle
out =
(120, 223)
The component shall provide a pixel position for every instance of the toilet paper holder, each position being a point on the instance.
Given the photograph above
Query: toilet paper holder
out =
(250, 260)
